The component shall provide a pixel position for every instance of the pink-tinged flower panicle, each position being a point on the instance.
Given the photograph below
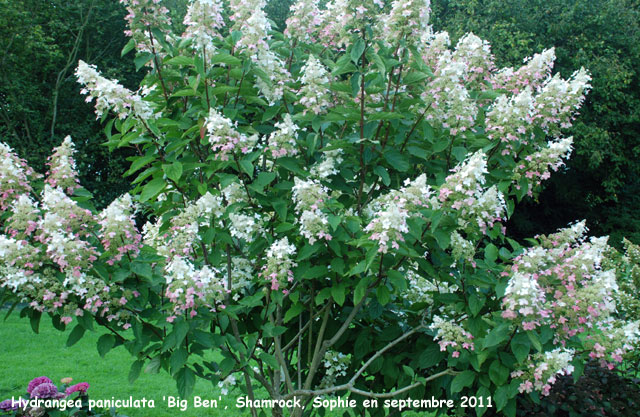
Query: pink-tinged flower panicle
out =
(533, 74)
(189, 288)
(539, 372)
(62, 167)
(203, 22)
(142, 17)
(304, 21)
(282, 142)
(225, 140)
(408, 19)
(450, 334)
(15, 177)
(279, 262)
(24, 218)
(110, 95)
(118, 232)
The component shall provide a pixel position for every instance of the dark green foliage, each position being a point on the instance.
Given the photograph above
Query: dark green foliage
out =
(602, 178)
(599, 392)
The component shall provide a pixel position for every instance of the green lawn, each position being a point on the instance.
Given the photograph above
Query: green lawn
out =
(25, 355)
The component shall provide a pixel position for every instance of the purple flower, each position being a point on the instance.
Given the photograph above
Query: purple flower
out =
(8, 405)
(82, 387)
(37, 381)
(46, 390)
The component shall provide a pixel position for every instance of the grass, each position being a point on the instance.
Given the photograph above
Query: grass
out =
(25, 355)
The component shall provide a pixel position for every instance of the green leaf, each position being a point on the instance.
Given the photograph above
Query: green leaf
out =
(414, 77)
(140, 163)
(535, 340)
(357, 49)
(173, 171)
(225, 59)
(307, 251)
(293, 312)
(381, 171)
(141, 59)
(128, 47)
(180, 60)
(178, 359)
(462, 380)
(269, 359)
(397, 160)
(35, 321)
(280, 206)
(383, 295)
(246, 166)
(496, 336)
(105, 344)
(75, 335)
(501, 396)
(476, 302)
(154, 365)
(152, 189)
(498, 373)
(360, 291)
(185, 380)
(134, 372)
(491, 252)
(520, 346)
(338, 293)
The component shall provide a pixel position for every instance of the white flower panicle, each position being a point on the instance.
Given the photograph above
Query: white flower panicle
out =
(143, 15)
(24, 217)
(61, 213)
(537, 166)
(462, 249)
(189, 288)
(118, 232)
(203, 22)
(540, 370)
(531, 75)
(304, 21)
(310, 198)
(62, 167)
(225, 140)
(450, 334)
(390, 212)
(314, 91)
(282, 142)
(111, 96)
(510, 117)
(245, 227)
(475, 53)
(15, 176)
(559, 100)
(181, 237)
(524, 296)
(242, 11)
(279, 262)
(407, 19)
(335, 366)
(327, 165)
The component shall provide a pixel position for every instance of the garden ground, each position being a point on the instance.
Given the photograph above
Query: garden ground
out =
(25, 355)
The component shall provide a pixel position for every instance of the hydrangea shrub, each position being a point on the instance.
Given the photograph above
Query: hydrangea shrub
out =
(323, 207)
